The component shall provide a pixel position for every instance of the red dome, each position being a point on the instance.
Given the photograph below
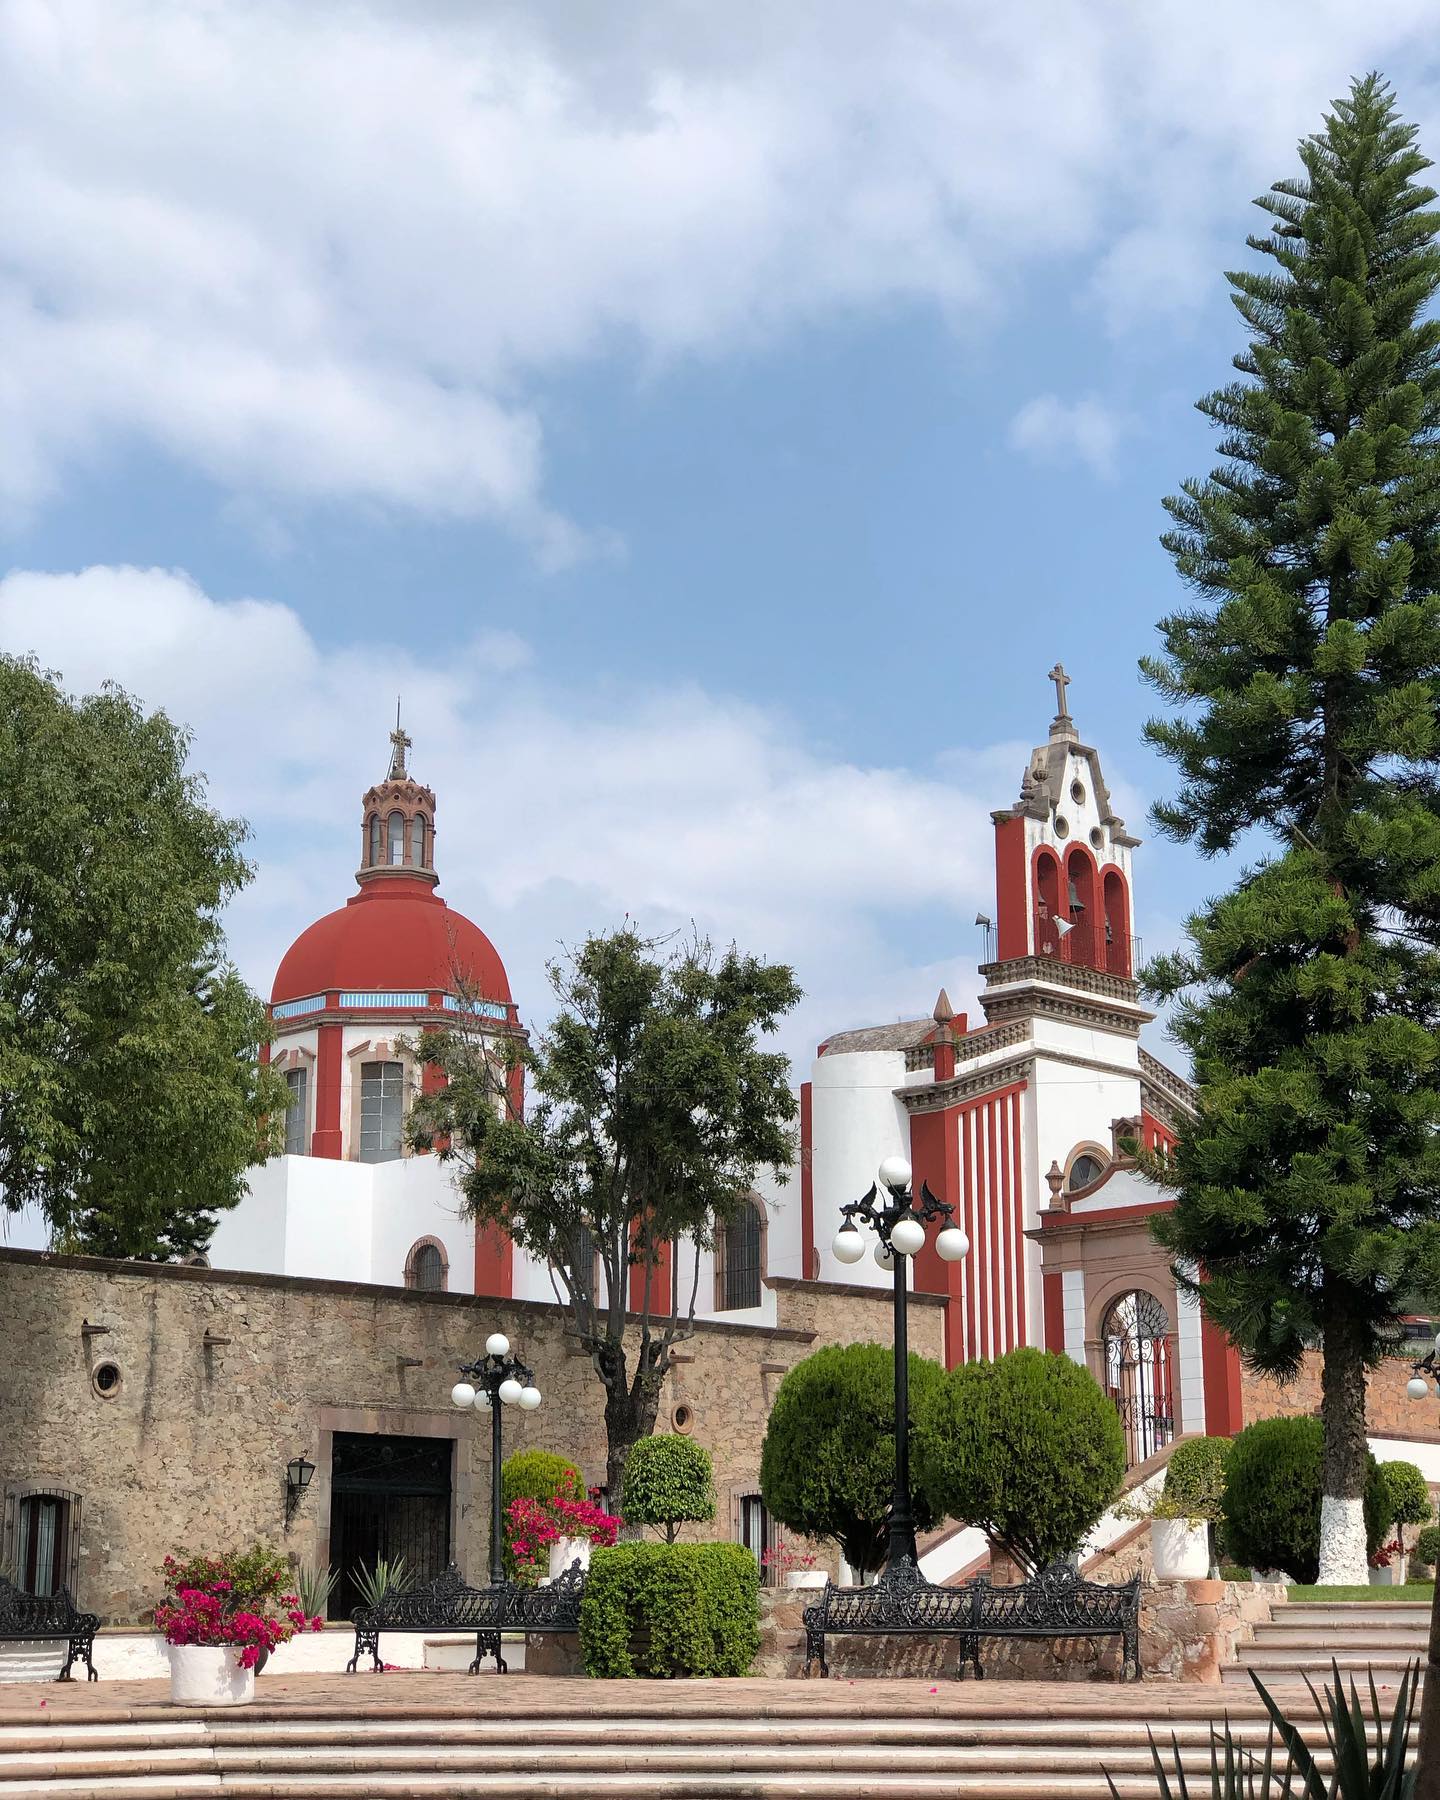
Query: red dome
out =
(394, 935)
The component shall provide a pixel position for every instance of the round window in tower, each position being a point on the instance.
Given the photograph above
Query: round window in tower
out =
(105, 1379)
(1097, 838)
(1062, 826)
(1077, 792)
(683, 1419)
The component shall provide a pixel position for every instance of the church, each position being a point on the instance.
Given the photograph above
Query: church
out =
(1017, 1119)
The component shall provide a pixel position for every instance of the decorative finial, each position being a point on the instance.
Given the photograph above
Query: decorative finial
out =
(400, 744)
(1062, 681)
(1055, 1181)
(944, 1012)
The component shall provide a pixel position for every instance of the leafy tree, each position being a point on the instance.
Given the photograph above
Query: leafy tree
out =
(827, 1467)
(1410, 1502)
(669, 1482)
(134, 1098)
(1027, 1447)
(1308, 1184)
(654, 1106)
(1271, 1510)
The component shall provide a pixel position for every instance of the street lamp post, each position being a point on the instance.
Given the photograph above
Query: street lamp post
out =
(499, 1379)
(898, 1221)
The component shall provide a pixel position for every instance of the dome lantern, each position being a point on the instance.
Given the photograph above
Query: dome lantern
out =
(397, 833)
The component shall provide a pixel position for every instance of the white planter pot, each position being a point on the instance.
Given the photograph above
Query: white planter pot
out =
(1383, 1577)
(1180, 1550)
(205, 1675)
(565, 1551)
(805, 1578)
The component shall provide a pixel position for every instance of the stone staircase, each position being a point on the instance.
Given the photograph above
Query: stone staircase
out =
(1302, 1639)
(1032, 1744)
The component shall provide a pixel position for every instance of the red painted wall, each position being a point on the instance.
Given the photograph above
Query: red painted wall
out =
(1012, 885)
(325, 1140)
(494, 1262)
(1220, 1361)
(1054, 1301)
(661, 1282)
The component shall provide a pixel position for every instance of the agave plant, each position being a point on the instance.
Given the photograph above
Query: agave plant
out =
(389, 1576)
(1361, 1769)
(315, 1586)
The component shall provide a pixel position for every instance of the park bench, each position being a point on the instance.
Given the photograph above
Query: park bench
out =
(1058, 1603)
(49, 1618)
(448, 1603)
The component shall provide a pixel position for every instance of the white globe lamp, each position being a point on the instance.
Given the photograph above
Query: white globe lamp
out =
(529, 1398)
(849, 1244)
(895, 1172)
(952, 1244)
(510, 1390)
(497, 1344)
(462, 1394)
(482, 1400)
(882, 1255)
(1417, 1387)
(907, 1236)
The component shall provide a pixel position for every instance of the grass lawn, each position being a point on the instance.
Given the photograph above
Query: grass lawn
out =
(1412, 1590)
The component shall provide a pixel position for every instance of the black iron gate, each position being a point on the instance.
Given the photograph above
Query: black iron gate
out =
(389, 1497)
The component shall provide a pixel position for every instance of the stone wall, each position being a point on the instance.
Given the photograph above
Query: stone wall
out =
(1388, 1410)
(224, 1377)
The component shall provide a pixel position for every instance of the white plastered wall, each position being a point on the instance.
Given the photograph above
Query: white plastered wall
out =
(856, 1123)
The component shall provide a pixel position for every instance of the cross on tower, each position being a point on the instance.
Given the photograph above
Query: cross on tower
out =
(401, 744)
(1062, 681)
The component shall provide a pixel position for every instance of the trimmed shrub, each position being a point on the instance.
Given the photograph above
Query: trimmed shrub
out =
(670, 1610)
(827, 1467)
(1194, 1480)
(1409, 1493)
(1027, 1447)
(1271, 1510)
(669, 1482)
(540, 1475)
(1427, 1547)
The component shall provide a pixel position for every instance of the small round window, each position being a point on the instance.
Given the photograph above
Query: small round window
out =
(106, 1380)
(683, 1419)
(1062, 826)
(1097, 838)
(1077, 792)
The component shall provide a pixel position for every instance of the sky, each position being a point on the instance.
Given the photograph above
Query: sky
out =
(712, 422)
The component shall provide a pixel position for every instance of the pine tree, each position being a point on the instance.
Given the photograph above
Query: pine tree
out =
(1308, 1186)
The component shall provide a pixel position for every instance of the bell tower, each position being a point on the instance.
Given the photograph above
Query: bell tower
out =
(1063, 858)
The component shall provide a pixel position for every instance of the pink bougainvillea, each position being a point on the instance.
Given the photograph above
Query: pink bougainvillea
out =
(532, 1526)
(234, 1600)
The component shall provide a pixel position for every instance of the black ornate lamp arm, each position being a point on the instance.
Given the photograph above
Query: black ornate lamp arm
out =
(882, 1219)
(492, 1372)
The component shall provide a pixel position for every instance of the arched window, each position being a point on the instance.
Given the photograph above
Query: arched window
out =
(373, 859)
(1047, 904)
(740, 1258)
(1082, 944)
(1117, 924)
(382, 1111)
(426, 1269)
(1137, 1350)
(395, 824)
(297, 1112)
(1085, 1169)
(417, 841)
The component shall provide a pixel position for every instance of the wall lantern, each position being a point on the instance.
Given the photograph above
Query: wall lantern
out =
(298, 1473)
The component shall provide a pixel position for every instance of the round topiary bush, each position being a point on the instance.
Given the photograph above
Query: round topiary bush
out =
(1427, 1547)
(1271, 1511)
(1195, 1480)
(827, 1468)
(541, 1475)
(1027, 1447)
(1409, 1493)
(669, 1482)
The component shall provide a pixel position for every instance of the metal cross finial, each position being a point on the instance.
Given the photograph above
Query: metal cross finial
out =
(1062, 681)
(401, 744)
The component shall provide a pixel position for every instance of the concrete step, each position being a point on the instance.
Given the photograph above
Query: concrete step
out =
(1302, 1616)
(1408, 1643)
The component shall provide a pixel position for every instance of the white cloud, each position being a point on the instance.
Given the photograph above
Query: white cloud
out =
(328, 253)
(1054, 430)
(559, 810)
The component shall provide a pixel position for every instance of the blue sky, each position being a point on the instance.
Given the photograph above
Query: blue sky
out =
(713, 421)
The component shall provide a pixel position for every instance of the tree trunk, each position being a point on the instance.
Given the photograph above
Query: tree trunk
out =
(1343, 1469)
(631, 1409)
(1427, 1750)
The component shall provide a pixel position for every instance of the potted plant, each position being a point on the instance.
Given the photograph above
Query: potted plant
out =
(221, 1617)
(552, 1534)
(1387, 1565)
(796, 1568)
(1182, 1518)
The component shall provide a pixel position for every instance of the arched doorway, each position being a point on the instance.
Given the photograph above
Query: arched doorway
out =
(1136, 1346)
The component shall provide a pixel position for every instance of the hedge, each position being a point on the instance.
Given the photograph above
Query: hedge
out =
(1027, 1447)
(1271, 1510)
(670, 1610)
(669, 1482)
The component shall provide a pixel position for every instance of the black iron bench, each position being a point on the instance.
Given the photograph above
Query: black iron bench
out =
(449, 1604)
(1059, 1603)
(49, 1618)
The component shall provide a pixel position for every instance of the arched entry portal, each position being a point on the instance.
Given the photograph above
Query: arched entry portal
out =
(1137, 1350)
